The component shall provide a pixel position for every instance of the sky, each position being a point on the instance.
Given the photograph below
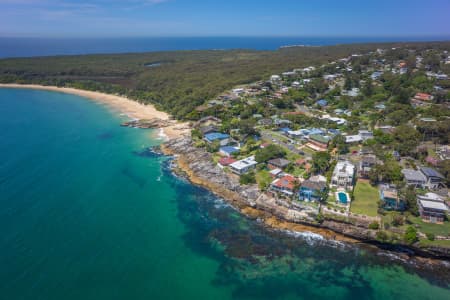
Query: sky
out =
(145, 18)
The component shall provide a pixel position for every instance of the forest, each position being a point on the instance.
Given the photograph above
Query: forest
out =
(177, 81)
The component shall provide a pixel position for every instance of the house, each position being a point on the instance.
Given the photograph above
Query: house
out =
(376, 75)
(208, 129)
(434, 179)
(209, 120)
(217, 136)
(275, 173)
(282, 123)
(244, 165)
(318, 142)
(296, 84)
(390, 199)
(265, 122)
(421, 99)
(311, 190)
(228, 150)
(275, 79)
(349, 139)
(278, 163)
(366, 164)
(322, 103)
(365, 134)
(226, 161)
(285, 130)
(414, 177)
(432, 207)
(285, 185)
(343, 175)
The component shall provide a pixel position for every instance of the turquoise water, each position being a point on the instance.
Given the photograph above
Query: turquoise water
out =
(342, 198)
(87, 213)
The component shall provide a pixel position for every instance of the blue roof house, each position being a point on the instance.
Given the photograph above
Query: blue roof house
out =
(322, 102)
(285, 130)
(217, 136)
(228, 150)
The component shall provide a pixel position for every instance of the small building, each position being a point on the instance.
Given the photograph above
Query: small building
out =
(217, 136)
(226, 161)
(432, 207)
(265, 122)
(365, 134)
(275, 79)
(350, 139)
(390, 199)
(209, 120)
(434, 179)
(244, 165)
(421, 99)
(376, 75)
(228, 150)
(343, 175)
(366, 164)
(311, 190)
(278, 163)
(275, 173)
(208, 129)
(322, 103)
(285, 185)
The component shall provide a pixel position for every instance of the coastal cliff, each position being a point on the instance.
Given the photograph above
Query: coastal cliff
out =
(199, 168)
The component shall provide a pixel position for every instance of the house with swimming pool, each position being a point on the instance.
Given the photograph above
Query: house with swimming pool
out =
(343, 175)
(390, 199)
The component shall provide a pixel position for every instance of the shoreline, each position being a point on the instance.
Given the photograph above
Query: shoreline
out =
(119, 104)
(277, 218)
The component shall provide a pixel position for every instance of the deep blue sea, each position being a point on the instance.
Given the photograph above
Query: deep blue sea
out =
(87, 212)
(23, 47)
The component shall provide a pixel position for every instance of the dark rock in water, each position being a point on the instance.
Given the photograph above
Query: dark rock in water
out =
(105, 136)
(149, 152)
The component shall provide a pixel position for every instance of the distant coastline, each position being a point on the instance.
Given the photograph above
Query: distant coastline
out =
(132, 109)
(23, 47)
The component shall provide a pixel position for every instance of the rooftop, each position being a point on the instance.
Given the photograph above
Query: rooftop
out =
(429, 172)
(244, 163)
(433, 205)
(413, 175)
(216, 136)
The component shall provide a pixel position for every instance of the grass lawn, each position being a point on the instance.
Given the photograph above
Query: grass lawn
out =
(436, 229)
(366, 199)
(441, 243)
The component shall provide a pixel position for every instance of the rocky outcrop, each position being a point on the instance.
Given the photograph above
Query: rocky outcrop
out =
(199, 167)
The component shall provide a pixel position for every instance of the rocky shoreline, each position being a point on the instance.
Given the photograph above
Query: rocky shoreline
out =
(199, 168)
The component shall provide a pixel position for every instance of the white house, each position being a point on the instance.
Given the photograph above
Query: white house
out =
(244, 165)
(275, 78)
(353, 139)
(343, 175)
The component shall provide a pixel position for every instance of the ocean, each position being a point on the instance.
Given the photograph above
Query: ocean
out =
(24, 47)
(87, 212)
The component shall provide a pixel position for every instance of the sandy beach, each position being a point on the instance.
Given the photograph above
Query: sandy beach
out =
(123, 105)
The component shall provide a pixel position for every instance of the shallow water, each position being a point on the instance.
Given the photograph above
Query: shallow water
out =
(87, 212)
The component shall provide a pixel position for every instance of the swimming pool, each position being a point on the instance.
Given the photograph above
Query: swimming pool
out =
(342, 197)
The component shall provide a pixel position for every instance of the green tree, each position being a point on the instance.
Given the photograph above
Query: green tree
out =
(411, 201)
(406, 138)
(321, 162)
(248, 178)
(410, 236)
(269, 152)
